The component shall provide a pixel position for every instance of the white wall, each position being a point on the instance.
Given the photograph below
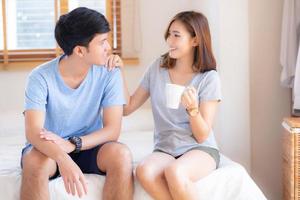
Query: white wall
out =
(234, 117)
(269, 101)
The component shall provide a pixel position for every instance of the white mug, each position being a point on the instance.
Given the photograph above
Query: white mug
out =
(173, 95)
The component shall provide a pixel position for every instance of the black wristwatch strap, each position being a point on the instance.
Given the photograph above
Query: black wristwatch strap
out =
(77, 142)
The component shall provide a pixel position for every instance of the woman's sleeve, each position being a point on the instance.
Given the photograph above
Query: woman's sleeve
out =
(211, 87)
(147, 77)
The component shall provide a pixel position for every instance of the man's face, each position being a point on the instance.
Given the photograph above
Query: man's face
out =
(98, 50)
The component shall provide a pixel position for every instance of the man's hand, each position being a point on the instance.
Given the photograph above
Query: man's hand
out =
(72, 176)
(65, 145)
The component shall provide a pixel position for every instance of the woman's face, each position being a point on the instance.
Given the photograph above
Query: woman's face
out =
(180, 41)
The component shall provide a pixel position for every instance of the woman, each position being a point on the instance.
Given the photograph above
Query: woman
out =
(185, 148)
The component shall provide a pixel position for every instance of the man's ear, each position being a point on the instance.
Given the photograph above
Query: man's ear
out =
(79, 51)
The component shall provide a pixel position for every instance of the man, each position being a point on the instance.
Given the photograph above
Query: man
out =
(73, 112)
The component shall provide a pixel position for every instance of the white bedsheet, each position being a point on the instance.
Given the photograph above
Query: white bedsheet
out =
(229, 182)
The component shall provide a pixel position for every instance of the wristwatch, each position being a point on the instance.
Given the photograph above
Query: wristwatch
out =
(193, 111)
(77, 142)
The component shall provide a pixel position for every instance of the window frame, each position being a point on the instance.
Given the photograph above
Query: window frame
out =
(113, 15)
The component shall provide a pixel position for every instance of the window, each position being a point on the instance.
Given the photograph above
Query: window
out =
(31, 23)
(96, 5)
(1, 28)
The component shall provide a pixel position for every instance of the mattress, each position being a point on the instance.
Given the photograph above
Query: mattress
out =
(229, 182)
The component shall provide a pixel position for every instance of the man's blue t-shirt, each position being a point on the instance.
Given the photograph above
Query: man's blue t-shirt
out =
(73, 112)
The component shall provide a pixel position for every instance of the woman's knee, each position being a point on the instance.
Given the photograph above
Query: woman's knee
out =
(174, 173)
(145, 172)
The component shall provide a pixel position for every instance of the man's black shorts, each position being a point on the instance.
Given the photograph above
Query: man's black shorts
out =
(86, 160)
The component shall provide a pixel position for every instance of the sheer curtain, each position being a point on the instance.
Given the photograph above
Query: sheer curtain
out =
(290, 55)
(131, 28)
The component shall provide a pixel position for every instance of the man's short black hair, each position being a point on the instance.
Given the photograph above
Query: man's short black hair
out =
(79, 27)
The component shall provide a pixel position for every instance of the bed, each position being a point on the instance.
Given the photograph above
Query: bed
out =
(229, 182)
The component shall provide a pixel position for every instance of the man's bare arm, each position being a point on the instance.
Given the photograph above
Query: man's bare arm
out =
(34, 122)
(112, 118)
(70, 172)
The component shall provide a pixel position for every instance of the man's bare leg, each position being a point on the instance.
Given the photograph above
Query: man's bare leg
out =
(115, 159)
(37, 168)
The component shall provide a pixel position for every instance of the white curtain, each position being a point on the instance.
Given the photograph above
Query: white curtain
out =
(290, 53)
(131, 28)
(296, 89)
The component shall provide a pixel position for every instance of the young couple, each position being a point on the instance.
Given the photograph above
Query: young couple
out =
(74, 106)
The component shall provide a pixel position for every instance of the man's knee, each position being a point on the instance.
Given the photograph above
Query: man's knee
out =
(122, 153)
(38, 165)
(115, 154)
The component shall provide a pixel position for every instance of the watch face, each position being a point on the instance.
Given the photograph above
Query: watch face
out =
(194, 112)
(76, 139)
